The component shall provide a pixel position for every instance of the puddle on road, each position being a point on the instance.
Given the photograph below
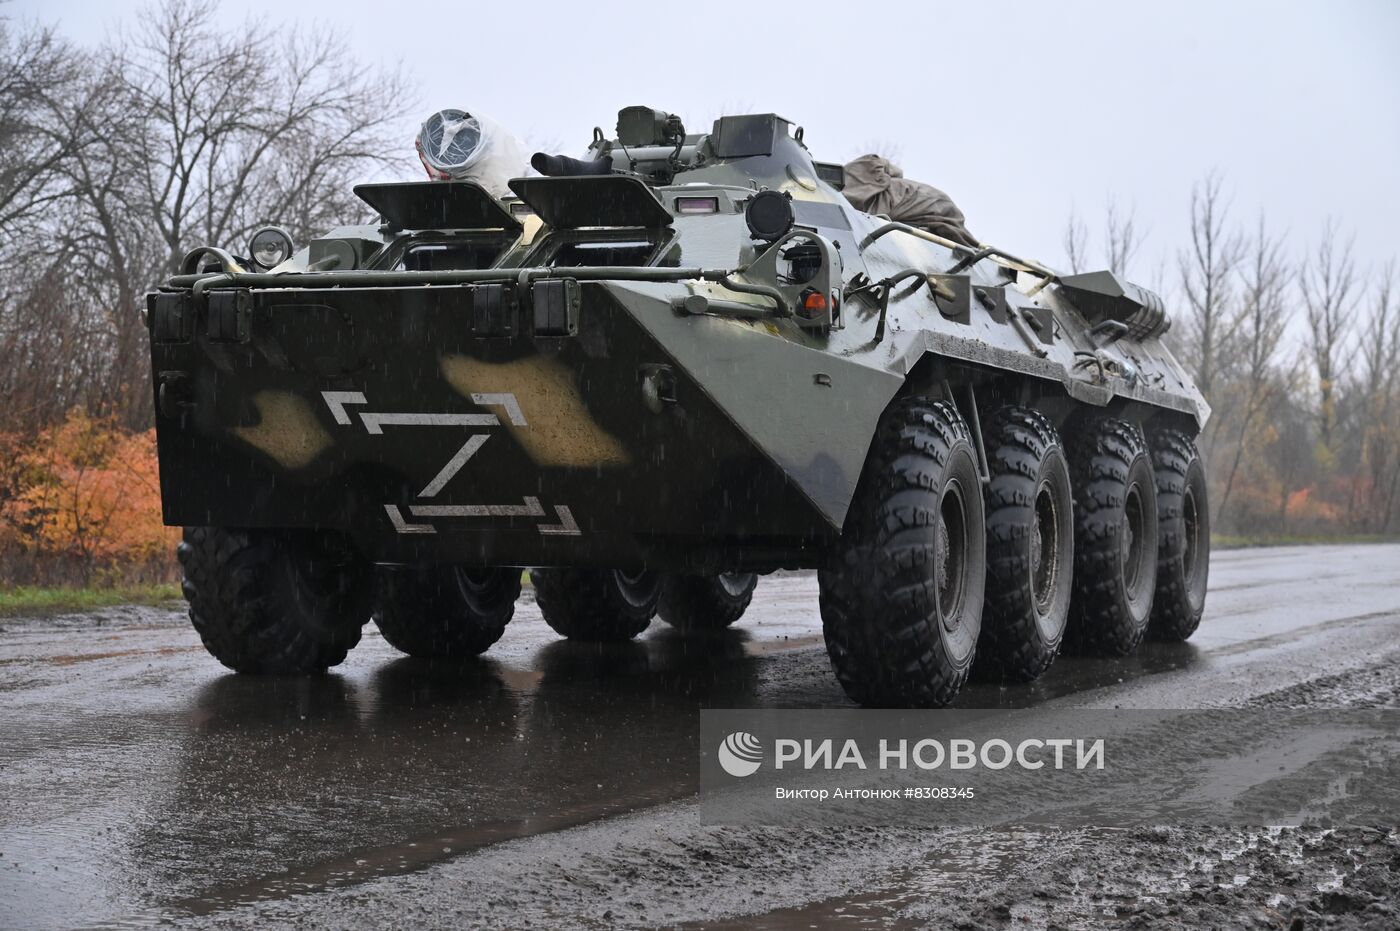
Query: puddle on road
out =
(246, 788)
(68, 659)
(1075, 674)
(407, 856)
(255, 788)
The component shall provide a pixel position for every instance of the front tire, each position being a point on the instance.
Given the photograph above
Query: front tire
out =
(1115, 536)
(1183, 541)
(1030, 546)
(445, 612)
(274, 602)
(597, 604)
(706, 602)
(901, 599)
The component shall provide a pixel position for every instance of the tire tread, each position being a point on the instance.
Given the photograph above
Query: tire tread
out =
(1173, 615)
(586, 604)
(878, 597)
(1102, 453)
(249, 621)
(1012, 646)
(424, 614)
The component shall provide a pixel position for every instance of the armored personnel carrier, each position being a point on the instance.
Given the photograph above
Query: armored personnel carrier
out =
(650, 376)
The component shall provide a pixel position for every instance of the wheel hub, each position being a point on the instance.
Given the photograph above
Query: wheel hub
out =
(1132, 536)
(940, 575)
(477, 581)
(631, 578)
(950, 557)
(735, 583)
(1191, 518)
(637, 587)
(1045, 548)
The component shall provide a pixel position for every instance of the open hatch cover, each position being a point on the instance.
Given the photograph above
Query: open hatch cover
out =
(437, 205)
(593, 200)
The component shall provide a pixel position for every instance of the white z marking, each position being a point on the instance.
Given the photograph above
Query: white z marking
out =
(403, 526)
(512, 406)
(454, 465)
(336, 401)
(566, 527)
(375, 423)
(531, 508)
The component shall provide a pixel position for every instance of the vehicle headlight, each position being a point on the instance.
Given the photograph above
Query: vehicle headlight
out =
(270, 246)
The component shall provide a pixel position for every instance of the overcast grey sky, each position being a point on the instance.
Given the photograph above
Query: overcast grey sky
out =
(1021, 111)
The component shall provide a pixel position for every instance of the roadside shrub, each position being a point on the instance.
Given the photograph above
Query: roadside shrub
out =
(81, 503)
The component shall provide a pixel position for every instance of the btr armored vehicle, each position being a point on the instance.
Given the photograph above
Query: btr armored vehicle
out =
(649, 376)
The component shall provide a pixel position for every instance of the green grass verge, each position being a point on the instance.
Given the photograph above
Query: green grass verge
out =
(1221, 541)
(29, 600)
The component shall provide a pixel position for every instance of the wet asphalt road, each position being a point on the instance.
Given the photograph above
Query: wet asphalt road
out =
(141, 784)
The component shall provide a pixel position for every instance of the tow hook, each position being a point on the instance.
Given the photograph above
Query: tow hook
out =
(175, 395)
(658, 387)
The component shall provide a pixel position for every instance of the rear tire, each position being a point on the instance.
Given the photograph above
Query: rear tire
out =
(901, 598)
(445, 612)
(273, 602)
(1030, 546)
(1183, 541)
(1115, 537)
(706, 602)
(597, 604)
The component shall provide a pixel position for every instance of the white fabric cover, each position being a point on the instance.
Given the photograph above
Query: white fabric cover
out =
(497, 157)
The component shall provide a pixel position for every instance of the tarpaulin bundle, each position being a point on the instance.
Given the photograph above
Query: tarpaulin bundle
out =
(876, 185)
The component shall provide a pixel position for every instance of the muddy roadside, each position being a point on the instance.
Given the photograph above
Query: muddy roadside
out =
(663, 868)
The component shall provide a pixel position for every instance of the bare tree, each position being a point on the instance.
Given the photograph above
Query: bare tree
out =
(1290, 454)
(1122, 238)
(1076, 243)
(53, 343)
(1263, 321)
(1380, 427)
(51, 357)
(36, 71)
(1207, 268)
(246, 128)
(1328, 282)
(220, 132)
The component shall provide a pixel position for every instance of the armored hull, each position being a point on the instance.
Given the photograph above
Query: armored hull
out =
(681, 366)
(377, 412)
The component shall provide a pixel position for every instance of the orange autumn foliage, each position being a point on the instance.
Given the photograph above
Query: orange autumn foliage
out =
(86, 492)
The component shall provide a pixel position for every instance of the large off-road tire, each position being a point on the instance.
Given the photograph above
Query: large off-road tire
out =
(1183, 538)
(597, 604)
(901, 596)
(1115, 536)
(1030, 545)
(276, 602)
(705, 602)
(445, 612)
